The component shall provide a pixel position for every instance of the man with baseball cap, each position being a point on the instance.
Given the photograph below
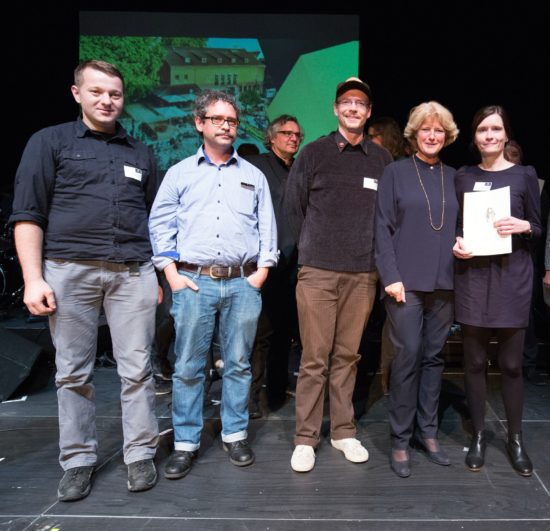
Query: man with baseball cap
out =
(330, 200)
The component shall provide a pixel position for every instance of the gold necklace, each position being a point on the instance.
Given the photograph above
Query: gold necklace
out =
(428, 201)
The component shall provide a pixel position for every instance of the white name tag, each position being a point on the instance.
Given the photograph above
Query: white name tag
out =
(132, 173)
(371, 184)
(482, 187)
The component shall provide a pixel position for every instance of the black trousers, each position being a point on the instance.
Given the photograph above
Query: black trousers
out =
(164, 333)
(419, 329)
(277, 326)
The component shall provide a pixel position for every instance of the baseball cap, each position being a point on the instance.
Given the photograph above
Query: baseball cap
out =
(353, 83)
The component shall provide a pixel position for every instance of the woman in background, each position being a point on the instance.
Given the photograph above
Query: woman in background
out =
(385, 131)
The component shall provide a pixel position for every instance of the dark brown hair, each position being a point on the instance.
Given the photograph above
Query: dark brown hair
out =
(483, 113)
(102, 66)
(390, 135)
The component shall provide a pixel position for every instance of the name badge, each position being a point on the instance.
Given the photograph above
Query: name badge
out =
(132, 173)
(371, 184)
(482, 187)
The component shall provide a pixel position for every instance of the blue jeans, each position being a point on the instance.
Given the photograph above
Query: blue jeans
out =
(238, 305)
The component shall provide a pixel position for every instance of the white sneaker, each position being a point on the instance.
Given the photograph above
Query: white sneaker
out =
(303, 458)
(353, 450)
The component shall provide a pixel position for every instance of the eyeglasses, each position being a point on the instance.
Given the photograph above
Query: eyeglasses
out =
(220, 120)
(288, 134)
(360, 104)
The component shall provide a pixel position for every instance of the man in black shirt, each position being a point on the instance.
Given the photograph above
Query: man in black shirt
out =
(82, 194)
(278, 321)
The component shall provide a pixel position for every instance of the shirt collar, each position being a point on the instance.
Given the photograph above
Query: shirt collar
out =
(342, 142)
(83, 130)
(281, 161)
(203, 157)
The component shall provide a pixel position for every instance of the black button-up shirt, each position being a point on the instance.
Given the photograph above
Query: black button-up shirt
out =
(90, 193)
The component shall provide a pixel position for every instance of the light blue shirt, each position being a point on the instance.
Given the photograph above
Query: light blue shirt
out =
(206, 214)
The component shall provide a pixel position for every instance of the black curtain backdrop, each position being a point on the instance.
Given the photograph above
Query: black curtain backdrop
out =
(462, 54)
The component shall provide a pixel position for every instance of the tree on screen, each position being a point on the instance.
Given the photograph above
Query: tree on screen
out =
(138, 58)
(183, 42)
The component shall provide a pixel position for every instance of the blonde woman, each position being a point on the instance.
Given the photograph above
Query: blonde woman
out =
(415, 230)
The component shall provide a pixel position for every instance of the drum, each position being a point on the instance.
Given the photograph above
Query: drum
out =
(11, 277)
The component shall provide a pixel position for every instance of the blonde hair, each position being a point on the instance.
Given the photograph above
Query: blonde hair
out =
(425, 111)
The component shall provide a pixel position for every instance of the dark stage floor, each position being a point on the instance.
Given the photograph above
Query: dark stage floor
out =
(336, 495)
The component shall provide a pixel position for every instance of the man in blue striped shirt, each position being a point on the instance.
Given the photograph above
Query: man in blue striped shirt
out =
(214, 235)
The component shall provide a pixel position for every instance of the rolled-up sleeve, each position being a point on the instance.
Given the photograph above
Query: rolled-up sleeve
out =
(34, 181)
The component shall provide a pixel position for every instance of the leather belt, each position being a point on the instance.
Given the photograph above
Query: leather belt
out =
(219, 272)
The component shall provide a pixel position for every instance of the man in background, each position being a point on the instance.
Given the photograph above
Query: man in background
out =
(278, 324)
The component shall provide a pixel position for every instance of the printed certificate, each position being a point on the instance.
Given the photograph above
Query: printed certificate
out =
(481, 210)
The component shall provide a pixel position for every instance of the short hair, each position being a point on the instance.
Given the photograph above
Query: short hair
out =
(207, 98)
(391, 135)
(483, 113)
(425, 111)
(275, 125)
(102, 66)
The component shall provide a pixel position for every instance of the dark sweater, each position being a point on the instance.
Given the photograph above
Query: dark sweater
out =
(330, 203)
(408, 249)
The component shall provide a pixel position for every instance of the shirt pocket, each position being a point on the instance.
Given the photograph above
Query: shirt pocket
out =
(77, 164)
(134, 173)
(245, 201)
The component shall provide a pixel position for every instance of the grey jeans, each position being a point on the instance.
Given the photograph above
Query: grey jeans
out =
(81, 288)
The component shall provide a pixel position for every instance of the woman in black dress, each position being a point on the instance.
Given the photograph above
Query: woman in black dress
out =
(416, 215)
(493, 293)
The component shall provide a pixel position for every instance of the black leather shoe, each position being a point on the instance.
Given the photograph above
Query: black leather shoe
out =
(240, 453)
(401, 468)
(518, 456)
(439, 457)
(75, 484)
(475, 458)
(142, 475)
(179, 464)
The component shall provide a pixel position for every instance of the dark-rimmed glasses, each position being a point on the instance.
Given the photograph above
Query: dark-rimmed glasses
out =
(288, 134)
(219, 120)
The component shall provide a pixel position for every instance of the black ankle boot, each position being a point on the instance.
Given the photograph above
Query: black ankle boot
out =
(518, 456)
(475, 458)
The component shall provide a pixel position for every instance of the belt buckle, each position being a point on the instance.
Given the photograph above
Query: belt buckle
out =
(217, 277)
